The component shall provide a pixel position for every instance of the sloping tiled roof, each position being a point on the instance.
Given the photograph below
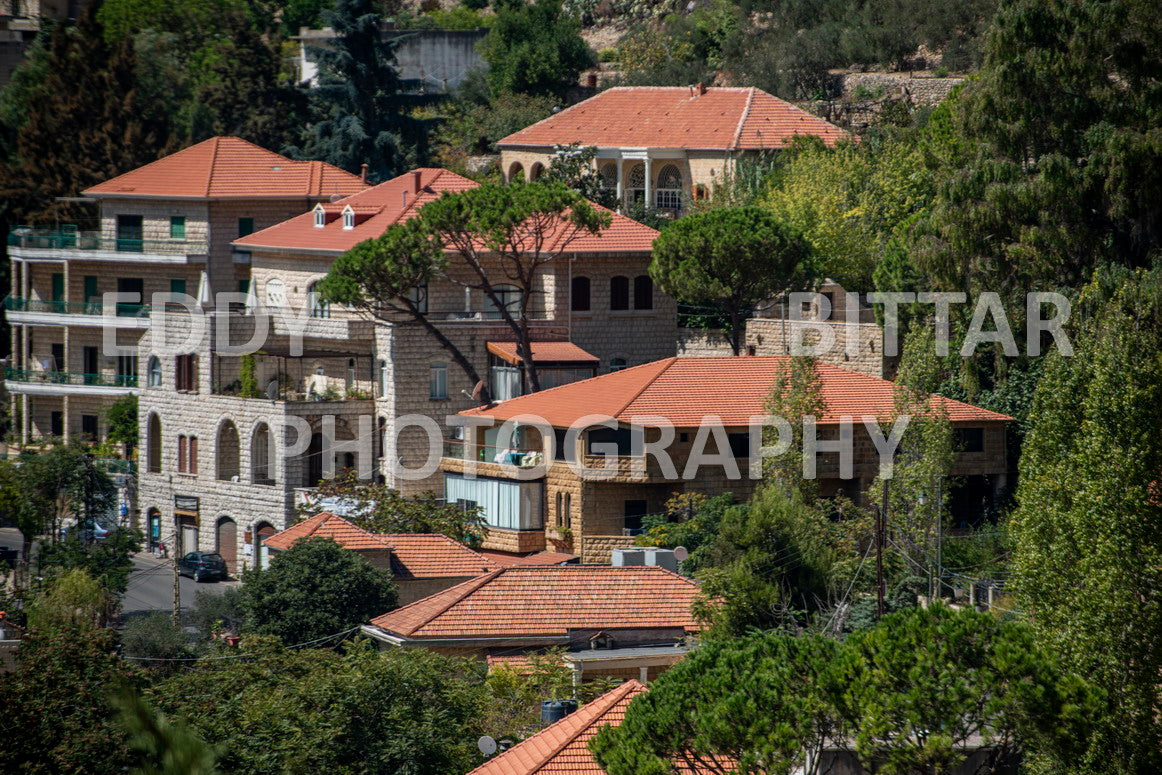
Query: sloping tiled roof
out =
(543, 352)
(727, 119)
(230, 168)
(685, 390)
(328, 525)
(549, 601)
(562, 748)
(433, 555)
(398, 200)
(536, 558)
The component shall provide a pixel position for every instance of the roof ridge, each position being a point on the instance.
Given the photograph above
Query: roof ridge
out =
(615, 696)
(551, 116)
(210, 166)
(669, 362)
(477, 583)
(743, 117)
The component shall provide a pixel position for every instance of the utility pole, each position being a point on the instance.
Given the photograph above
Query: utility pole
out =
(177, 589)
(881, 526)
(87, 528)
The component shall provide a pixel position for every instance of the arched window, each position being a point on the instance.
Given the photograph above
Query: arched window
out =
(536, 171)
(618, 292)
(318, 306)
(320, 217)
(636, 185)
(349, 383)
(515, 171)
(228, 453)
(348, 218)
(261, 453)
(669, 192)
(438, 381)
(153, 373)
(153, 452)
(643, 292)
(509, 298)
(560, 505)
(617, 364)
(580, 294)
(568, 514)
(608, 175)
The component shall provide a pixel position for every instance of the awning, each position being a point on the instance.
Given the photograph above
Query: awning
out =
(544, 352)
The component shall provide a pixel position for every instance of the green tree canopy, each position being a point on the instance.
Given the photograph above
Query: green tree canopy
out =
(534, 49)
(731, 257)
(314, 590)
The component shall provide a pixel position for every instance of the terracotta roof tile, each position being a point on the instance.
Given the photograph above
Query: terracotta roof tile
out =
(685, 390)
(536, 558)
(563, 748)
(230, 168)
(544, 352)
(674, 117)
(398, 200)
(434, 555)
(328, 525)
(549, 601)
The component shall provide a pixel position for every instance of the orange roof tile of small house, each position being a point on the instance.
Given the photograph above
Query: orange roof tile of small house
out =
(562, 748)
(549, 600)
(536, 558)
(434, 555)
(398, 200)
(726, 119)
(230, 168)
(684, 390)
(328, 525)
(543, 352)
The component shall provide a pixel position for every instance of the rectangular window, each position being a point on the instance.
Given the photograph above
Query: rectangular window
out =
(177, 288)
(438, 382)
(186, 373)
(130, 234)
(193, 455)
(57, 424)
(634, 511)
(183, 451)
(619, 293)
(970, 439)
(89, 426)
(604, 436)
(58, 286)
(245, 226)
(177, 227)
(91, 292)
(739, 444)
(504, 504)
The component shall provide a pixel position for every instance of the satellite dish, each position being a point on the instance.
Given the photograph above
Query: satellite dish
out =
(681, 553)
(477, 390)
(486, 745)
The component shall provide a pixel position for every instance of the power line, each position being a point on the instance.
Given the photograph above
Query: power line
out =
(241, 656)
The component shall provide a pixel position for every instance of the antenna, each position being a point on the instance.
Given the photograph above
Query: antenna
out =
(487, 745)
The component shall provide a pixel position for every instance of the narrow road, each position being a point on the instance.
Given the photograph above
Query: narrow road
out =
(151, 587)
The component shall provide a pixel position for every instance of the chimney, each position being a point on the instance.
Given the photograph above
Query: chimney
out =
(591, 80)
(363, 171)
(415, 181)
(700, 88)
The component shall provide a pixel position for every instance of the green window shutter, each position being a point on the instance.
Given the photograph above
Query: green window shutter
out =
(244, 286)
(58, 286)
(245, 226)
(177, 227)
(176, 287)
(91, 288)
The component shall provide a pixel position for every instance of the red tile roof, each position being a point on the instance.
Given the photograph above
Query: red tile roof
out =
(549, 600)
(328, 525)
(433, 555)
(685, 390)
(398, 200)
(727, 119)
(563, 748)
(543, 352)
(230, 168)
(536, 558)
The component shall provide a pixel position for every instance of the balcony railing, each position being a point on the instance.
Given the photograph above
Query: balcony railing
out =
(17, 304)
(69, 239)
(112, 465)
(486, 453)
(70, 378)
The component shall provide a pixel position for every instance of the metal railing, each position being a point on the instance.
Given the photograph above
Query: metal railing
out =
(487, 453)
(17, 304)
(112, 465)
(71, 239)
(70, 378)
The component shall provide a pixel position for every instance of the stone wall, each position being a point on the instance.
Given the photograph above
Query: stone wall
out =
(865, 354)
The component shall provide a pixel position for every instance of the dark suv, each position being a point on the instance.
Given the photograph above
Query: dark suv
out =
(202, 566)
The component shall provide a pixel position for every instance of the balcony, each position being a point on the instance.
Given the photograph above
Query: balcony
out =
(45, 312)
(59, 383)
(65, 244)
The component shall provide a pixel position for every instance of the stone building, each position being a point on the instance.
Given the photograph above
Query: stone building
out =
(324, 388)
(536, 497)
(664, 145)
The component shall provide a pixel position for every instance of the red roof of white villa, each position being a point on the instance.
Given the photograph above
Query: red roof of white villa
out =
(727, 119)
(230, 168)
(328, 525)
(684, 390)
(400, 199)
(549, 600)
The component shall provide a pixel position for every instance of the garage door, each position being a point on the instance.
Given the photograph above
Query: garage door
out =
(189, 535)
(227, 543)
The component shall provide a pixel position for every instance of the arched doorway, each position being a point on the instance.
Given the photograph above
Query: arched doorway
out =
(226, 542)
(262, 531)
(153, 526)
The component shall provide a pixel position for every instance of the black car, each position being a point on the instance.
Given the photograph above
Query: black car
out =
(202, 566)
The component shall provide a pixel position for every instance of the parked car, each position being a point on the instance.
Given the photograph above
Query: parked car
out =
(202, 566)
(94, 531)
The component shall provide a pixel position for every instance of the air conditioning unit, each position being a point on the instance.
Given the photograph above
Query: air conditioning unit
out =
(628, 556)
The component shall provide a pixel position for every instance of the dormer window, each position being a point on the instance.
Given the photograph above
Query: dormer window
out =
(348, 218)
(320, 217)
